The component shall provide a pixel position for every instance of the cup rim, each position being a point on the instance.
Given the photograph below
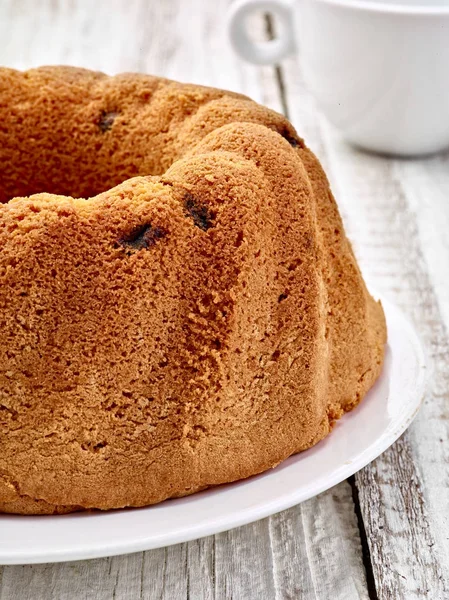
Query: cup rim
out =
(384, 8)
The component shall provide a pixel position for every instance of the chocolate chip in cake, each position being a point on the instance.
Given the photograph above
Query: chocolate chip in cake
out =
(291, 139)
(106, 120)
(201, 215)
(141, 237)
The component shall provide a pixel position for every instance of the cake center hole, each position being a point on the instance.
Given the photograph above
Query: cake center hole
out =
(72, 150)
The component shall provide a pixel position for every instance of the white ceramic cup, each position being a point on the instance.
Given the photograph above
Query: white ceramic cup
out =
(378, 69)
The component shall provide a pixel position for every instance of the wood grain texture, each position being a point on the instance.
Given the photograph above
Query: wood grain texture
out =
(397, 214)
(324, 530)
(310, 551)
(412, 478)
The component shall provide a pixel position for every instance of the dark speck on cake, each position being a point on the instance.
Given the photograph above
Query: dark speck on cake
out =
(291, 139)
(106, 120)
(201, 215)
(142, 237)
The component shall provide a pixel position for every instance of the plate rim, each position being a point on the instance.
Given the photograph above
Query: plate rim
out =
(262, 510)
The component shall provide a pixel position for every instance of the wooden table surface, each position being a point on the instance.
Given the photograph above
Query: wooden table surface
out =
(384, 533)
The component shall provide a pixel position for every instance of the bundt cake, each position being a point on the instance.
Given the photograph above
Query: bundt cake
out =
(179, 304)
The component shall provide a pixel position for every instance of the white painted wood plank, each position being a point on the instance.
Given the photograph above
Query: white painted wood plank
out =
(243, 563)
(421, 517)
(201, 568)
(324, 530)
(86, 579)
(410, 284)
(426, 186)
(164, 575)
(311, 550)
(396, 214)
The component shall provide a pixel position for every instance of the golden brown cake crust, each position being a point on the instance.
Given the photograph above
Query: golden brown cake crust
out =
(197, 319)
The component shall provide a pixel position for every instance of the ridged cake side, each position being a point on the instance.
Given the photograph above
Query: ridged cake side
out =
(180, 330)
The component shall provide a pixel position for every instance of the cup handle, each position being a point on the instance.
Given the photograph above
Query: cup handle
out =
(261, 53)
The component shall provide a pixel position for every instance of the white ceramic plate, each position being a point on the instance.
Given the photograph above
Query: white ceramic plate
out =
(357, 439)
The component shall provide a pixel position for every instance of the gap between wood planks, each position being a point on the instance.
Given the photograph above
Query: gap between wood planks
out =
(270, 32)
(366, 555)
